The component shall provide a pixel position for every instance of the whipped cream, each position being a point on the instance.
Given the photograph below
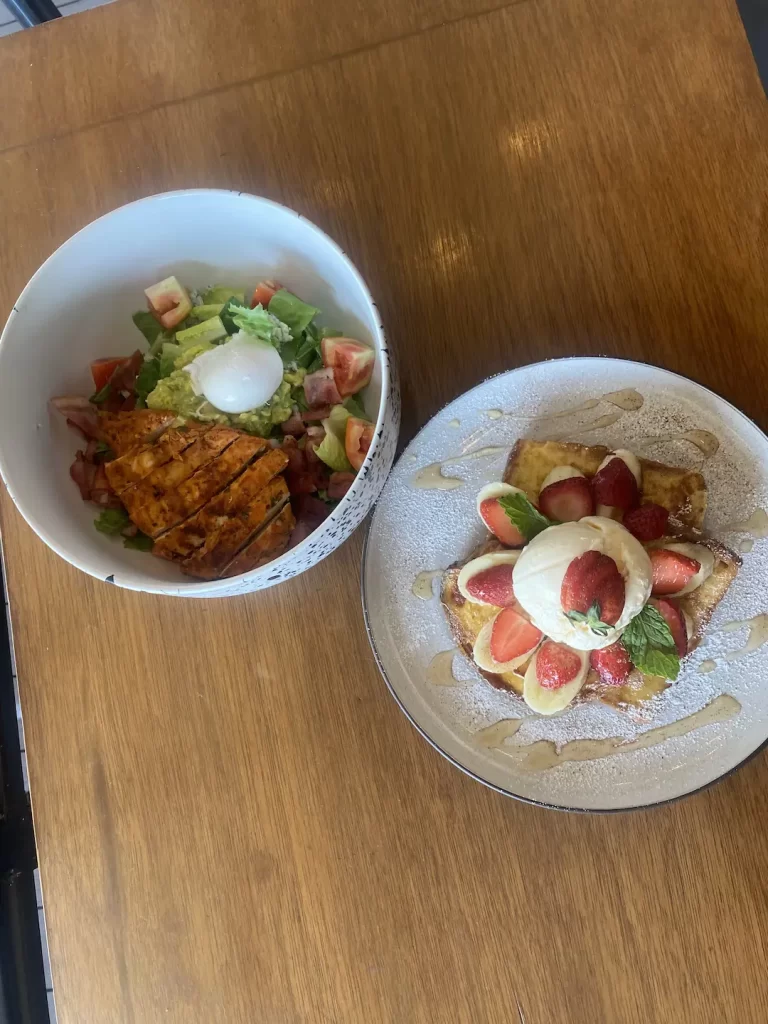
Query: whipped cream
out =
(539, 571)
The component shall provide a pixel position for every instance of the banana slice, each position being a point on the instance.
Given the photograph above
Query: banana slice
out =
(629, 459)
(698, 553)
(632, 463)
(495, 490)
(549, 702)
(493, 589)
(482, 649)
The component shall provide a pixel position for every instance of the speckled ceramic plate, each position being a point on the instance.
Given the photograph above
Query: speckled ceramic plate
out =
(707, 723)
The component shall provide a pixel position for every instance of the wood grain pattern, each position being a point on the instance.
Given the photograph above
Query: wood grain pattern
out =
(144, 53)
(235, 823)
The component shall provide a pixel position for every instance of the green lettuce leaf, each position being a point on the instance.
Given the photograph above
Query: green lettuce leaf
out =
(297, 315)
(149, 375)
(221, 293)
(168, 356)
(331, 451)
(147, 324)
(140, 542)
(337, 422)
(226, 315)
(260, 324)
(101, 395)
(112, 521)
(355, 407)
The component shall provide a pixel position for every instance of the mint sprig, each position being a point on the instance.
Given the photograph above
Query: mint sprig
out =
(524, 515)
(650, 644)
(592, 619)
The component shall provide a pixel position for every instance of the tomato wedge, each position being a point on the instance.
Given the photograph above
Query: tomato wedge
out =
(263, 293)
(102, 370)
(357, 441)
(352, 363)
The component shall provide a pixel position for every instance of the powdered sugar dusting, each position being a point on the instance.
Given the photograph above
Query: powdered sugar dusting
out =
(417, 530)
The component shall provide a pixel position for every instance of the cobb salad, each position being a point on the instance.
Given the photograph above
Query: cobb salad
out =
(218, 366)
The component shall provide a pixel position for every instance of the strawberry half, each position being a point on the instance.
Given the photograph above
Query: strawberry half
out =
(567, 500)
(512, 635)
(498, 522)
(612, 664)
(648, 522)
(556, 665)
(671, 570)
(673, 617)
(493, 586)
(593, 578)
(615, 485)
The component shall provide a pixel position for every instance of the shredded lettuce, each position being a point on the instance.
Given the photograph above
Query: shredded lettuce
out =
(294, 313)
(260, 324)
(337, 422)
(331, 451)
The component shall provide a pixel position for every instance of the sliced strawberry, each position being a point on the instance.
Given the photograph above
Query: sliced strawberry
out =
(493, 586)
(671, 570)
(567, 500)
(612, 664)
(512, 635)
(648, 522)
(593, 578)
(497, 521)
(673, 617)
(615, 485)
(556, 665)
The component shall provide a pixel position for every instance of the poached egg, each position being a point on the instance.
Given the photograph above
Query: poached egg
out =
(238, 376)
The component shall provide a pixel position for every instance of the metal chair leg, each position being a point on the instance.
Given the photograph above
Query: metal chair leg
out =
(33, 12)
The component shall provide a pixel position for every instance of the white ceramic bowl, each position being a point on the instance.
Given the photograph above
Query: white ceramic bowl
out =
(78, 307)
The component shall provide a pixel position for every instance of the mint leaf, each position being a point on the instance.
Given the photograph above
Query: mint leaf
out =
(525, 516)
(112, 521)
(660, 663)
(650, 644)
(648, 628)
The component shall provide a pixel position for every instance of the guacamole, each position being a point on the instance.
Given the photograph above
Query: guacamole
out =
(176, 393)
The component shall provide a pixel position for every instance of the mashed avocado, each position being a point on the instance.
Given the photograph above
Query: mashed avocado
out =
(190, 353)
(176, 393)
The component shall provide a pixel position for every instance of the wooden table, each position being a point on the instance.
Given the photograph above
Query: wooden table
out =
(235, 823)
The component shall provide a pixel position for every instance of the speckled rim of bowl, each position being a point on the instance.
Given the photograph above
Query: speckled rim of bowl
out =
(222, 587)
(422, 732)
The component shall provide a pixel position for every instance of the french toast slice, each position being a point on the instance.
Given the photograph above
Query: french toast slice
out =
(682, 492)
